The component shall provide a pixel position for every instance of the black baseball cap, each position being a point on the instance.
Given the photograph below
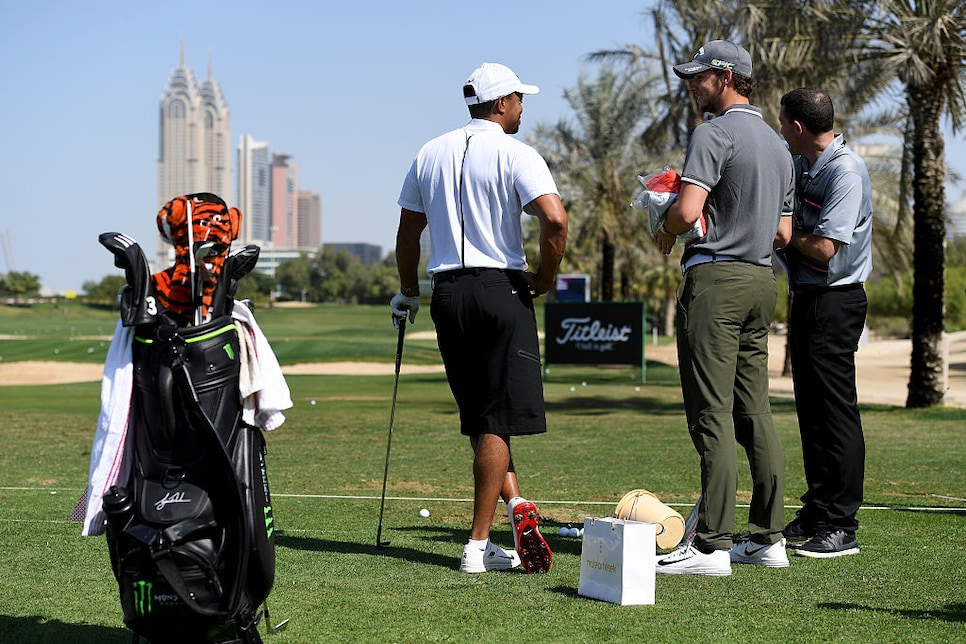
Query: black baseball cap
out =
(717, 54)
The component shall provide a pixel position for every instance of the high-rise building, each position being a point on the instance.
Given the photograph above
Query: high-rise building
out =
(310, 221)
(194, 140)
(254, 191)
(284, 196)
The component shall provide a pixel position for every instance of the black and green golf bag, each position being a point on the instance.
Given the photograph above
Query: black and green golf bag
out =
(191, 533)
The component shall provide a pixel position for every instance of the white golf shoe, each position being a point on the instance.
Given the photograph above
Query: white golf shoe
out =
(688, 560)
(493, 557)
(758, 554)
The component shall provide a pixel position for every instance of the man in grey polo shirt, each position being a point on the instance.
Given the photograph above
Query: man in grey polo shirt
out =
(737, 168)
(829, 257)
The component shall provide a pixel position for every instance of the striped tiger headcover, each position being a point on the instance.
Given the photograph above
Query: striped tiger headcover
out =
(212, 221)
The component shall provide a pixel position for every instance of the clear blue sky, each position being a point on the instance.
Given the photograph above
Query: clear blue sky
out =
(350, 93)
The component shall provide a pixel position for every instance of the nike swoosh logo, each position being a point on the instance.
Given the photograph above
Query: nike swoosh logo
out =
(750, 552)
(513, 291)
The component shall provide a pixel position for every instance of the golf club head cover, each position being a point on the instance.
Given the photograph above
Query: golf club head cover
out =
(201, 228)
(137, 303)
(238, 264)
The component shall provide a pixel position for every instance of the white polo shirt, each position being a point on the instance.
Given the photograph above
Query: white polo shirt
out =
(472, 184)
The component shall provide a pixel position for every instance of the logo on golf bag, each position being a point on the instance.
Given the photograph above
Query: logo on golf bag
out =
(269, 521)
(177, 497)
(142, 597)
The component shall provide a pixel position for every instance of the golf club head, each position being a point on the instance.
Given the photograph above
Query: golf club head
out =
(278, 627)
(268, 621)
(382, 544)
(691, 525)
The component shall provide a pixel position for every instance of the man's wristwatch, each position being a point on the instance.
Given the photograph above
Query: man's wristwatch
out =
(409, 291)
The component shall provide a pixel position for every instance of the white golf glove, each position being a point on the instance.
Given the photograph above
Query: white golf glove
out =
(402, 305)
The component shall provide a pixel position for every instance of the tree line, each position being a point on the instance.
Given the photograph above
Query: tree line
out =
(895, 70)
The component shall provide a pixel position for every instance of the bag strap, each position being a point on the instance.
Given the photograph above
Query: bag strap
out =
(160, 544)
(213, 444)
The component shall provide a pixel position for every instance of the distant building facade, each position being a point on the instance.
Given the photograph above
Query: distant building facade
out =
(254, 191)
(367, 253)
(194, 143)
(284, 199)
(309, 221)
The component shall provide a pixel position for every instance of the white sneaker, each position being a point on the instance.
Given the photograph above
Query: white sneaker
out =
(493, 557)
(771, 555)
(688, 560)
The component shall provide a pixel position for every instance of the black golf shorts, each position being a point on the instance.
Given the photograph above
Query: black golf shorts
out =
(487, 334)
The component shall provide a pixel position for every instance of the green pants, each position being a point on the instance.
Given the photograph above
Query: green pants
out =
(723, 314)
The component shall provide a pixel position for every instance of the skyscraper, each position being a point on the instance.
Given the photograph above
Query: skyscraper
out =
(310, 221)
(285, 185)
(194, 141)
(254, 191)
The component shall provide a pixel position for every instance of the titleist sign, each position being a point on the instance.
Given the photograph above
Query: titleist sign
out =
(589, 331)
(595, 333)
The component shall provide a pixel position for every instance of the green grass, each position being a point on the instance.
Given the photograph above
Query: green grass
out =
(605, 438)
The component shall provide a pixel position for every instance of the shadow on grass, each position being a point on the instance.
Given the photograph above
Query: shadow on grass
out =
(35, 628)
(602, 405)
(566, 591)
(949, 613)
(455, 536)
(313, 544)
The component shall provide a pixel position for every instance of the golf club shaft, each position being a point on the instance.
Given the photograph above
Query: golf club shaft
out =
(392, 419)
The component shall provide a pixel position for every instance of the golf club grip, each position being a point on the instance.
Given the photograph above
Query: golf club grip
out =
(399, 344)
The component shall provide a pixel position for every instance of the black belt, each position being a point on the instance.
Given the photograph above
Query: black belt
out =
(815, 289)
(452, 276)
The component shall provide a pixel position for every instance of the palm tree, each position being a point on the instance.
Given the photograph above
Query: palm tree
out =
(596, 161)
(924, 45)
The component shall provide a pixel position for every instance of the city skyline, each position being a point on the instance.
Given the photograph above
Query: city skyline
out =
(194, 156)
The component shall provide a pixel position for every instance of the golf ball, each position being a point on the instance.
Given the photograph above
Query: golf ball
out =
(564, 532)
(573, 389)
(424, 513)
(583, 384)
(574, 532)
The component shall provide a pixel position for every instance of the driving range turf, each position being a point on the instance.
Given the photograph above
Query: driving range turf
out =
(608, 436)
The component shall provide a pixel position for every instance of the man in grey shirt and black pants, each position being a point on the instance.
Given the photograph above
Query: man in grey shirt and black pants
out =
(737, 168)
(829, 257)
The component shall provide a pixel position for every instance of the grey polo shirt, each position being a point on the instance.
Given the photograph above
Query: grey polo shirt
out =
(747, 171)
(833, 200)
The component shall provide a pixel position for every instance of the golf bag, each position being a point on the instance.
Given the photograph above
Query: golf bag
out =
(191, 533)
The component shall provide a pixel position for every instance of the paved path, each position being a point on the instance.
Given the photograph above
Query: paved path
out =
(881, 369)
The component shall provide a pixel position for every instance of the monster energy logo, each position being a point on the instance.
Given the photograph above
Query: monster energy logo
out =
(142, 597)
(269, 521)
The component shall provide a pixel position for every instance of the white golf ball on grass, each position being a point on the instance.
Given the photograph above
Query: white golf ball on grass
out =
(424, 513)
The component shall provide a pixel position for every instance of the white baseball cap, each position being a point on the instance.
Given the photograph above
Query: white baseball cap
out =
(491, 81)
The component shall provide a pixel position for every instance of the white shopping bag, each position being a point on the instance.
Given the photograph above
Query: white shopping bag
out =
(617, 561)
